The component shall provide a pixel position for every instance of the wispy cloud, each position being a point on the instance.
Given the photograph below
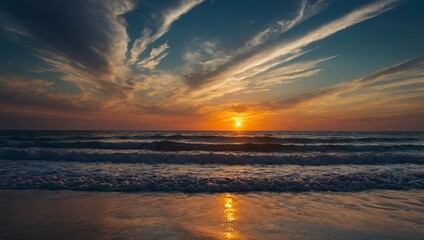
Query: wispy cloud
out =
(399, 75)
(306, 10)
(234, 72)
(367, 12)
(15, 84)
(286, 74)
(156, 55)
(23, 94)
(168, 18)
(411, 68)
(221, 61)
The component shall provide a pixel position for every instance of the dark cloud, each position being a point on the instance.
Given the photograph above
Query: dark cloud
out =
(78, 30)
(43, 102)
(295, 101)
(409, 65)
(169, 111)
(18, 93)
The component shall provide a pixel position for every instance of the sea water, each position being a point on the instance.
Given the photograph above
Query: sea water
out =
(208, 162)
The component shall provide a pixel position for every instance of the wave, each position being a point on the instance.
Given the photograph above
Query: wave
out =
(211, 158)
(211, 161)
(184, 183)
(222, 139)
(273, 139)
(243, 147)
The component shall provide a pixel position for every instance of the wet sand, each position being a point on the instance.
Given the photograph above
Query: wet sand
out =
(40, 214)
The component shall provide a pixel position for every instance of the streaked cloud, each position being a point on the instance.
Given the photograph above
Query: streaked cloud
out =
(405, 73)
(235, 71)
(168, 17)
(306, 10)
(156, 55)
(28, 95)
(19, 85)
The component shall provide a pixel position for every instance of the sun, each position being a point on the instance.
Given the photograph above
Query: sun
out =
(238, 122)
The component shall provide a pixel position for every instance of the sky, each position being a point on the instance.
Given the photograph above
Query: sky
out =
(310, 65)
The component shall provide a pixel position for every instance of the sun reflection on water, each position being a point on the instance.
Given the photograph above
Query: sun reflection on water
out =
(230, 217)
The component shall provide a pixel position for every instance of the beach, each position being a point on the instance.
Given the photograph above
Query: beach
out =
(380, 214)
(211, 185)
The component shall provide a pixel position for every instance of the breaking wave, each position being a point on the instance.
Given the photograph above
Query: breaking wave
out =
(211, 158)
(337, 183)
(214, 147)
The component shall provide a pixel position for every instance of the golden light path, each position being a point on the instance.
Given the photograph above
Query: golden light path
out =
(230, 217)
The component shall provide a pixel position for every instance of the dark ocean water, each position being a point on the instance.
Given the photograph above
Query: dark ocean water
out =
(211, 161)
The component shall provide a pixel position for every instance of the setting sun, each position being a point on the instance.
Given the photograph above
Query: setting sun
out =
(238, 121)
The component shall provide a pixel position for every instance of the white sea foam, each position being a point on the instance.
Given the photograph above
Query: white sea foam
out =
(206, 178)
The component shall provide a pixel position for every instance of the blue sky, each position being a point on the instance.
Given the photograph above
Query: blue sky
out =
(194, 64)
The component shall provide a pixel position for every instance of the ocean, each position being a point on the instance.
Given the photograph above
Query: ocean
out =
(211, 162)
(211, 185)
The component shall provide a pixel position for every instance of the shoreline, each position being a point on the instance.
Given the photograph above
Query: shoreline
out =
(64, 214)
